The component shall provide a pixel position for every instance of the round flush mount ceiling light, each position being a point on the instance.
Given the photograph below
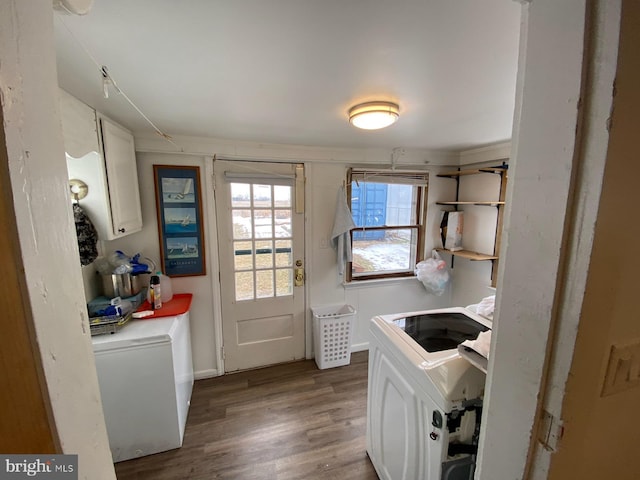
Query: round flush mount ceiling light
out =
(374, 115)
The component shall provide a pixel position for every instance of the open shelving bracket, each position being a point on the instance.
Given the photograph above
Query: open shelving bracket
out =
(470, 255)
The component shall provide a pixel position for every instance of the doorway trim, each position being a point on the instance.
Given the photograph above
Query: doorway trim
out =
(532, 310)
(210, 183)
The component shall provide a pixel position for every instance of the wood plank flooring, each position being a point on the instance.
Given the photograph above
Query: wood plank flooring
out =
(285, 422)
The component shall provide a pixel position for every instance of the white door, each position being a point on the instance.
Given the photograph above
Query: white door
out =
(261, 248)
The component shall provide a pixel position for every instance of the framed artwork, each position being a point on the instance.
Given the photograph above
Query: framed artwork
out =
(180, 228)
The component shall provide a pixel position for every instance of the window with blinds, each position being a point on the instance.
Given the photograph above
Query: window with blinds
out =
(389, 209)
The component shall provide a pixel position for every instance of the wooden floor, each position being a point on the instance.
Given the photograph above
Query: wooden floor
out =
(288, 422)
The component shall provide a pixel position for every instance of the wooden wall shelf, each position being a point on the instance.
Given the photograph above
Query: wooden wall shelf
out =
(485, 204)
(468, 254)
(475, 171)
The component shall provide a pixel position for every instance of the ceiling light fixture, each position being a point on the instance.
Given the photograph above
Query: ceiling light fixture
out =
(374, 115)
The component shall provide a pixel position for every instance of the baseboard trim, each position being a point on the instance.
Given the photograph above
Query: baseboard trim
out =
(359, 347)
(202, 374)
(213, 372)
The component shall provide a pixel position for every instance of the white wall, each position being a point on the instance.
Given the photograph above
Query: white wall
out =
(472, 279)
(147, 242)
(29, 94)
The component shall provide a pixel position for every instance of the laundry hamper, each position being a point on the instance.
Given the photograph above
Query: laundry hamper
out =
(332, 333)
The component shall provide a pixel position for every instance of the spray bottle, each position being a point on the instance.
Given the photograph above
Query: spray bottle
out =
(155, 294)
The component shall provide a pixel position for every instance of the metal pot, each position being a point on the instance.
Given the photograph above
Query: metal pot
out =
(121, 285)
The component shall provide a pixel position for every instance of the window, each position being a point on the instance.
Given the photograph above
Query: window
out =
(389, 210)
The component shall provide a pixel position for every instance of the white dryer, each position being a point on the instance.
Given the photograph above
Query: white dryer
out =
(424, 400)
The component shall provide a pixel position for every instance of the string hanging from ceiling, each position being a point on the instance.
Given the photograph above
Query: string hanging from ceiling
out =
(108, 80)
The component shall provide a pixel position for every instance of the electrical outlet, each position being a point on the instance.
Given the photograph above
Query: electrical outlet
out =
(623, 371)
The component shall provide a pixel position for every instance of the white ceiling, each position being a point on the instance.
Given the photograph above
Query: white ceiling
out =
(287, 71)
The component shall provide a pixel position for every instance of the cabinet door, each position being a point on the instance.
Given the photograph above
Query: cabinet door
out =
(122, 178)
(78, 126)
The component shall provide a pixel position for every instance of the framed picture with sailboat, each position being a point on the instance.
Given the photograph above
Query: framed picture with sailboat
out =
(180, 228)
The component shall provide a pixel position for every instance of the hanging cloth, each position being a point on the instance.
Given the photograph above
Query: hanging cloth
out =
(342, 225)
(87, 236)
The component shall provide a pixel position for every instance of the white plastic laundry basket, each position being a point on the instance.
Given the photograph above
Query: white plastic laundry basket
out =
(332, 333)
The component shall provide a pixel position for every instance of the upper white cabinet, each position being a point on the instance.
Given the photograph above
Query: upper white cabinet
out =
(79, 126)
(101, 154)
(122, 175)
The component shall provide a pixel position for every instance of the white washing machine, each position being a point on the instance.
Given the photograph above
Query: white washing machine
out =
(424, 400)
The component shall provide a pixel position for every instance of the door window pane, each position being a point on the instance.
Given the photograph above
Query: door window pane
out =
(244, 285)
(242, 228)
(282, 223)
(262, 196)
(264, 254)
(243, 258)
(284, 282)
(263, 221)
(264, 283)
(284, 257)
(282, 196)
(240, 195)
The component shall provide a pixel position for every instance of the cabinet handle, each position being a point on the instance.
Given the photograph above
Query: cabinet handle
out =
(121, 230)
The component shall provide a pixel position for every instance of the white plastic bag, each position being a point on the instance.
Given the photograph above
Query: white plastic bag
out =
(433, 273)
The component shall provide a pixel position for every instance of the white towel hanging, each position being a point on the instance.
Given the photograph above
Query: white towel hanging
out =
(342, 225)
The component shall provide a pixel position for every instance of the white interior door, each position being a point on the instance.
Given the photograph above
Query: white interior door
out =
(261, 249)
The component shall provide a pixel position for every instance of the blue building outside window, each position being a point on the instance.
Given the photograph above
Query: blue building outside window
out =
(369, 208)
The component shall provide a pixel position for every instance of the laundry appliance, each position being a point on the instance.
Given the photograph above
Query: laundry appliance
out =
(424, 400)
